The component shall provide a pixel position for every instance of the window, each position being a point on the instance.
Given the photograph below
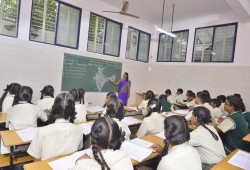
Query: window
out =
(138, 45)
(104, 35)
(9, 16)
(215, 43)
(55, 22)
(173, 49)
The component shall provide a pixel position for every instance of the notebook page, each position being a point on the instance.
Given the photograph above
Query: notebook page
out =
(27, 134)
(130, 121)
(95, 109)
(183, 112)
(86, 127)
(241, 159)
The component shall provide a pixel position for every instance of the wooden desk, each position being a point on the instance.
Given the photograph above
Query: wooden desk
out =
(247, 138)
(3, 117)
(224, 163)
(44, 164)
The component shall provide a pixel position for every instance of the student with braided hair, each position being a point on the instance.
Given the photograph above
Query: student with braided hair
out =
(106, 138)
(181, 156)
(47, 98)
(6, 101)
(205, 139)
(153, 122)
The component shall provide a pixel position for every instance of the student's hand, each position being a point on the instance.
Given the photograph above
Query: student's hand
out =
(47, 110)
(85, 156)
(220, 120)
(157, 148)
(133, 105)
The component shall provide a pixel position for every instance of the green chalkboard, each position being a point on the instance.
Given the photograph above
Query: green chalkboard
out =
(90, 74)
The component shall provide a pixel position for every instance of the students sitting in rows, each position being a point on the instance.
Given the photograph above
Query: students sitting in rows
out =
(24, 114)
(222, 99)
(47, 98)
(61, 137)
(234, 127)
(80, 105)
(189, 104)
(109, 96)
(216, 112)
(6, 101)
(205, 138)
(181, 156)
(170, 98)
(143, 106)
(165, 106)
(179, 97)
(106, 139)
(153, 122)
(115, 110)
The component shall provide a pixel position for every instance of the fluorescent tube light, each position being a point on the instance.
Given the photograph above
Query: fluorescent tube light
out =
(165, 32)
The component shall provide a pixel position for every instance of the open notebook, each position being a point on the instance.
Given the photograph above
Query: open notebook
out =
(130, 121)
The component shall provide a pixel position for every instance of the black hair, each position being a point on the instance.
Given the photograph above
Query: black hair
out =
(188, 92)
(25, 94)
(13, 89)
(162, 97)
(180, 90)
(110, 95)
(154, 106)
(176, 132)
(237, 95)
(204, 117)
(216, 101)
(47, 91)
(202, 96)
(222, 98)
(105, 134)
(208, 98)
(63, 107)
(81, 94)
(115, 108)
(191, 94)
(126, 75)
(149, 94)
(168, 91)
(236, 102)
(78, 94)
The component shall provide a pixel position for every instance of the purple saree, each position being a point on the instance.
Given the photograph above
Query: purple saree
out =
(123, 91)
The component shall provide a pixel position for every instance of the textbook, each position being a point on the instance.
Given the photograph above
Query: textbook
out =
(130, 121)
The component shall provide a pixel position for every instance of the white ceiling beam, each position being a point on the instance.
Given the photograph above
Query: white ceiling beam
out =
(241, 8)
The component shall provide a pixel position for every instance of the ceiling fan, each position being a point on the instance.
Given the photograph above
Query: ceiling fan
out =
(124, 10)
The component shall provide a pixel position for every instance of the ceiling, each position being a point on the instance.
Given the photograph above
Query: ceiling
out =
(151, 10)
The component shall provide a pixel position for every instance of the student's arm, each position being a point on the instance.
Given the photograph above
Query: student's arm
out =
(143, 129)
(195, 139)
(226, 125)
(35, 148)
(157, 148)
(42, 115)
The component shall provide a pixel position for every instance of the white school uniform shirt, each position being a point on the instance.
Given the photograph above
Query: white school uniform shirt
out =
(209, 107)
(224, 112)
(116, 160)
(211, 151)
(170, 99)
(59, 138)
(216, 113)
(143, 107)
(179, 98)
(189, 115)
(181, 157)
(191, 103)
(152, 124)
(7, 102)
(46, 103)
(124, 127)
(81, 110)
(24, 115)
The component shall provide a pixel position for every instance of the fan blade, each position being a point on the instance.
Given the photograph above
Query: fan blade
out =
(111, 11)
(125, 6)
(131, 15)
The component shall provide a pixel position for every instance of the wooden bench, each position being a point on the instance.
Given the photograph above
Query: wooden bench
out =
(5, 160)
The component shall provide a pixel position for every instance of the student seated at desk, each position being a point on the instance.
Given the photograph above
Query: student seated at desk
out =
(170, 98)
(6, 101)
(165, 106)
(205, 139)
(189, 104)
(143, 105)
(109, 96)
(60, 138)
(179, 97)
(106, 142)
(115, 110)
(47, 98)
(153, 122)
(181, 156)
(24, 114)
(80, 105)
(222, 99)
(234, 127)
(216, 112)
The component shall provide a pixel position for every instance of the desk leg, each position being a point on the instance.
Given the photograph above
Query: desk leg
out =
(11, 157)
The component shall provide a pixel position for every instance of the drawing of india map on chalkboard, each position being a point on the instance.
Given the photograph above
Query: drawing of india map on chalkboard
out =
(89, 73)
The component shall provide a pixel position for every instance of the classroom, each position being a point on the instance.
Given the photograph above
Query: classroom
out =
(33, 55)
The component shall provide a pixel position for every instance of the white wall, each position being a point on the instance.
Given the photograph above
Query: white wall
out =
(37, 64)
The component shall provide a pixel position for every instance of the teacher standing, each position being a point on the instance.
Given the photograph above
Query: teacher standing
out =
(124, 88)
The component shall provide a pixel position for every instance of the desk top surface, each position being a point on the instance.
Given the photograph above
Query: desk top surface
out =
(3, 117)
(11, 138)
(247, 138)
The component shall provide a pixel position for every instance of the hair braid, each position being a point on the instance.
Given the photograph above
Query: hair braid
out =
(95, 153)
(212, 133)
(167, 142)
(103, 161)
(2, 99)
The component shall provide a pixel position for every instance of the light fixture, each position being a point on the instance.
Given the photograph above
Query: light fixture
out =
(160, 29)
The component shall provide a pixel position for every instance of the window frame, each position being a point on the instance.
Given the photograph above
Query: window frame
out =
(214, 27)
(17, 25)
(138, 44)
(157, 60)
(56, 29)
(104, 39)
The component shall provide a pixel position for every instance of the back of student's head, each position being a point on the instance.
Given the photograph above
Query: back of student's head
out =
(192, 95)
(109, 96)
(208, 98)
(176, 132)
(237, 95)
(216, 101)
(154, 106)
(168, 92)
(24, 95)
(188, 92)
(13, 89)
(78, 95)
(204, 117)
(115, 108)
(162, 97)
(235, 102)
(105, 134)
(222, 98)
(149, 95)
(63, 107)
(81, 95)
(202, 96)
(47, 91)
(180, 90)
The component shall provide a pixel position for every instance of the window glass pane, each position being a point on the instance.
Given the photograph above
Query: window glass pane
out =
(165, 45)
(132, 43)
(179, 48)
(43, 23)
(113, 37)
(143, 47)
(96, 33)
(68, 26)
(223, 43)
(9, 17)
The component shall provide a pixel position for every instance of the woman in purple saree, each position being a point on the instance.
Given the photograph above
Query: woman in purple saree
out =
(123, 88)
